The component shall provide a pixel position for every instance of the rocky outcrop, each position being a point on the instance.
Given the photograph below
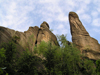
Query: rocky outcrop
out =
(81, 38)
(46, 35)
(29, 38)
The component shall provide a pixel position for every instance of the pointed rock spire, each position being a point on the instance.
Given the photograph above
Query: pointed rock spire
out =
(45, 25)
(76, 26)
(46, 35)
(81, 38)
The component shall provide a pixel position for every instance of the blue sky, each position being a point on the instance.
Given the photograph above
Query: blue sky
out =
(21, 14)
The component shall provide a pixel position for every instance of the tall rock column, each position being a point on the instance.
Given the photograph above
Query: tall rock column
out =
(81, 38)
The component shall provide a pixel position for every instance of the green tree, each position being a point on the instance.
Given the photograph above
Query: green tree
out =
(64, 60)
(46, 59)
(2, 59)
(98, 67)
(28, 64)
(9, 55)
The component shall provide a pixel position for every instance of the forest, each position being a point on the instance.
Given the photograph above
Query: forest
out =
(46, 59)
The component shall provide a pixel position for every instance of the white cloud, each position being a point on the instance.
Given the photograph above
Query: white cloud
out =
(60, 26)
(94, 14)
(87, 1)
(96, 22)
(97, 30)
(96, 1)
(61, 17)
(15, 14)
(81, 11)
(20, 14)
(86, 18)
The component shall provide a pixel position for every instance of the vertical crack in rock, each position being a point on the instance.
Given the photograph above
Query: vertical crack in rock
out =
(36, 38)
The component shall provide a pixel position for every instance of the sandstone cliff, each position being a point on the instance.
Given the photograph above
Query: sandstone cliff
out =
(81, 38)
(29, 38)
(34, 35)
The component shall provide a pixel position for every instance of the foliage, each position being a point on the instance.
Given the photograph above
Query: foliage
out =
(2, 56)
(15, 38)
(7, 53)
(89, 67)
(28, 64)
(46, 59)
(2, 59)
(13, 64)
(98, 67)
(64, 60)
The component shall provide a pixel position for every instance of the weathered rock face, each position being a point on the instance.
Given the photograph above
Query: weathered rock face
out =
(88, 45)
(23, 40)
(28, 39)
(46, 35)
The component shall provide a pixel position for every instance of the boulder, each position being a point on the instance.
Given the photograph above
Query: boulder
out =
(81, 38)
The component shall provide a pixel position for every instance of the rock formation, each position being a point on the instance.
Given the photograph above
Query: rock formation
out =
(81, 38)
(34, 35)
(46, 35)
(29, 38)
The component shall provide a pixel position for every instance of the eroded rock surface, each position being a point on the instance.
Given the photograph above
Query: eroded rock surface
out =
(29, 38)
(88, 45)
(46, 35)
